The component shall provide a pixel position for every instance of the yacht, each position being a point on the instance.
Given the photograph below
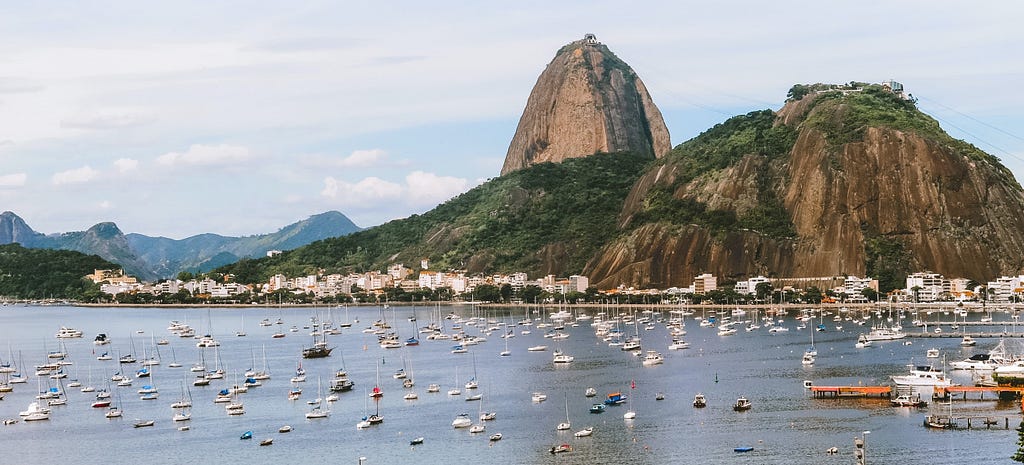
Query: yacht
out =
(881, 333)
(652, 358)
(742, 404)
(562, 358)
(922, 375)
(66, 333)
(462, 421)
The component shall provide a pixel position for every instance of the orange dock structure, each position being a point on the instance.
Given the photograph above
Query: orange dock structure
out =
(943, 392)
(823, 392)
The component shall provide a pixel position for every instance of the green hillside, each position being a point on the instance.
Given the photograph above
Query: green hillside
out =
(42, 273)
(545, 218)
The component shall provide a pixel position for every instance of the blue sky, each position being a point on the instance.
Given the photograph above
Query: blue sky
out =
(178, 118)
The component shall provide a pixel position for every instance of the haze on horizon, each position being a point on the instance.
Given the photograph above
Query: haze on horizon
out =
(238, 118)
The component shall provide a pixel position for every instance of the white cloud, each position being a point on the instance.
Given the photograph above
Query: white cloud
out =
(13, 180)
(419, 190)
(75, 176)
(371, 189)
(363, 158)
(206, 155)
(430, 189)
(126, 165)
(107, 120)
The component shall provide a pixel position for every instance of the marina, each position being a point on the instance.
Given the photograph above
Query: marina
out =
(787, 421)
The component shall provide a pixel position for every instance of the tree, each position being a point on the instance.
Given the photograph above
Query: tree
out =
(870, 294)
(763, 290)
(487, 293)
(506, 292)
(813, 295)
(531, 293)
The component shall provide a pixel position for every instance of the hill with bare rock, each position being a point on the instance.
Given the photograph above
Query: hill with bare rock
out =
(586, 101)
(842, 180)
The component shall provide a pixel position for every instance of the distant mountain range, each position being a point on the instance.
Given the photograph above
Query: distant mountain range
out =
(151, 258)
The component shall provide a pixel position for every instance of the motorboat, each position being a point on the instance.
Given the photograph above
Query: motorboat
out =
(539, 397)
(462, 420)
(590, 392)
(615, 398)
(495, 437)
(678, 345)
(968, 341)
(922, 375)
(562, 358)
(699, 401)
(932, 353)
(537, 348)
(584, 432)
(477, 429)
(742, 404)
(908, 401)
(560, 448)
(652, 358)
(597, 408)
(66, 333)
(882, 333)
(416, 441)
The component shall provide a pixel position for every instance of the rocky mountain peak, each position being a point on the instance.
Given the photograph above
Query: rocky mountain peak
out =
(586, 101)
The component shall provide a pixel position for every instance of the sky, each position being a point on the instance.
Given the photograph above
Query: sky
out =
(240, 117)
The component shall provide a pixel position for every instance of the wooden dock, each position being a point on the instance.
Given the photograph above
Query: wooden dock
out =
(968, 422)
(982, 390)
(836, 392)
(958, 335)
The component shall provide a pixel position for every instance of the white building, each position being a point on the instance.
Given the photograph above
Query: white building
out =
(704, 283)
(929, 286)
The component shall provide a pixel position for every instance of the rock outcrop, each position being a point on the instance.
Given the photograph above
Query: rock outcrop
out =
(586, 101)
(862, 198)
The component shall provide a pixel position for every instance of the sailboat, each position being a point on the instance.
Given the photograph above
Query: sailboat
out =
(455, 390)
(630, 414)
(565, 424)
(377, 392)
(317, 412)
(472, 384)
(365, 421)
(508, 334)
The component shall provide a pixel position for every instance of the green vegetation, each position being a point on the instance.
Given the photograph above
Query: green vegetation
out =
(502, 225)
(887, 261)
(722, 146)
(44, 274)
(845, 116)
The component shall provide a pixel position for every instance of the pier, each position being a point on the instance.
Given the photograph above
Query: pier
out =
(998, 390)
(835, 392)
(967, 422)
(980, 335)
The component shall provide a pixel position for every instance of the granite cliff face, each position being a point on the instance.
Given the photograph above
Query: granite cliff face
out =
(867, 186)
(586, 101)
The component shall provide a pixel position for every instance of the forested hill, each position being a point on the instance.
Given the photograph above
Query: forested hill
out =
(545, 219)
(43, 273)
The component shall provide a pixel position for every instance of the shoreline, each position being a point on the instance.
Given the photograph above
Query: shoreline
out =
(904, 306)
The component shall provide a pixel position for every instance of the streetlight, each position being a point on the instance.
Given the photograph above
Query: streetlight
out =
(860, 448)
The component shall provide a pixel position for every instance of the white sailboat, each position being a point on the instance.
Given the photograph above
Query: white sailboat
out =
(630, 414)
(317, 412)
(565, 424)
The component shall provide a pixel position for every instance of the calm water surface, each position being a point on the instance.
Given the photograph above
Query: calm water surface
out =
(785, 426)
